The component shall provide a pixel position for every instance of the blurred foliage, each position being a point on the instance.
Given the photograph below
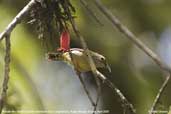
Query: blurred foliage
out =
(35, 84)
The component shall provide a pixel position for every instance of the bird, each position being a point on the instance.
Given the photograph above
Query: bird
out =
(76, 57)
(79, 59)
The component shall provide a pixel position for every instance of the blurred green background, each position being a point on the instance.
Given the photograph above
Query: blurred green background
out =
(36, 84)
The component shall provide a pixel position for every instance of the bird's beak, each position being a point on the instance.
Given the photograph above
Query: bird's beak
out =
(53, 56)
(108, 68)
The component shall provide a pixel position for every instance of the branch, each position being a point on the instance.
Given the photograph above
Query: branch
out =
(90, 11)
(85, 89)
(6, 72)
(122, 98)
(19, 17)
(124, 30)
(99, 90)
(6, 34)
(159, 94)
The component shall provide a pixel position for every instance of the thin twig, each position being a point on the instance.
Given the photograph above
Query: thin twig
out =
(6, 72)
(19, 17)
(123, 29)
(86, 90)
(91, 12)
(159, 94)
(98, 94)
(122, 98)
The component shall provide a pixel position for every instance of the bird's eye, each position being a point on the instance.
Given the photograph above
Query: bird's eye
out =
(102, 59)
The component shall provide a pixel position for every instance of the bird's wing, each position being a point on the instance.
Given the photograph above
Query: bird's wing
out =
(79, 49)
(82, 50)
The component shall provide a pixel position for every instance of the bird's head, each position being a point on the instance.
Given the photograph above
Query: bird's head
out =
(100, 61)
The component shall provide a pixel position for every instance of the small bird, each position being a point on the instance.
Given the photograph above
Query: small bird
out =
(79, 59)
(76, 56)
